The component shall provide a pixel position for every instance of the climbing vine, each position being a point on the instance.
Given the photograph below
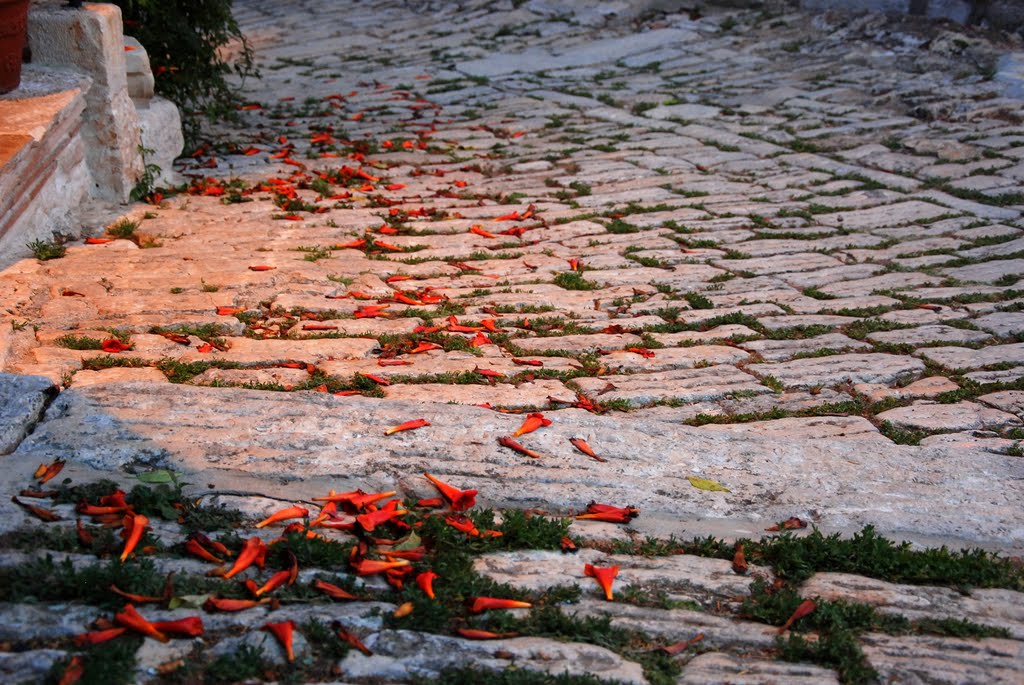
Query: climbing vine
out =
(185, 41)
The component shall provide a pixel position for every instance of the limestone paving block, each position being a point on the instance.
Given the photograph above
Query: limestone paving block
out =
(780, 350)
(949, 417)
(675, 625)
(687, 385)
(22, 402)
(992, 607)
(673, 358)
(945, 661)
(926, 387)
(1008, 400)
(533, 394)
(1001, 323)
(840, 368)
(318, 438)
(30, 666)
(804, 428)
(118, 375)
(928, 334)
(284, 377)
(966, 358)
(581, 343)
(311, 351)
(987, 272)
(701, 579)
(402, 655)
(723, 332)
(714, 668)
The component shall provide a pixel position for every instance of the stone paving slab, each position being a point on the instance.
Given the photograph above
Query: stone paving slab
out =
(23, 399)
(945, 660)
(990, 607)
(833, 369)
(319, 438)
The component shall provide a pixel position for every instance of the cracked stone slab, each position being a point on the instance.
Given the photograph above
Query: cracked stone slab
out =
(674, 625)
(580, 343)
(928, 334)
(926, 387)
(806, 428)
(118, 375)
(1001, 323)
(697, 579)
(1008, 400)
(988, 606)
(403, 655)
(687, 385)
(31, 666)
(780, 350)
(717, 333)
(315, 441)
(965, 358)
(715, 668)
(532, 394)
(961, 416)
(886, 215)
(673, 358)
(22, 402)
(945, 661)
(840, 368)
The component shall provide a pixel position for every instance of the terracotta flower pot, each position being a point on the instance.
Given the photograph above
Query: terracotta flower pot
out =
(13, 25)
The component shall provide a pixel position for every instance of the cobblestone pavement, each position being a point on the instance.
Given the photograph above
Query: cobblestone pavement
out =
(778, 252)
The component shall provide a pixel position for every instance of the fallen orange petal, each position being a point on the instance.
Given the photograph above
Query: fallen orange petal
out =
(404, 610)
(276, 581)
(136, 527)
(463, 524)
(133, 620)
(113, 346)
(476, 634)
(50, 471)
(481, 604)
(252, 550)
(191, 626)
(806, 607)
(408, 425)
(292, 512)
(353, 640)
(369, 567)
(582, 446)
(608, 513)
(332, 591)
(515, 446)
(739, 560)
(604, 577)
(459, 499)
(261, 267)
(533, 421)
(283, 631)
(425, 581)
(73, 672)
(375, 518)
(219, 604)
(96, 637)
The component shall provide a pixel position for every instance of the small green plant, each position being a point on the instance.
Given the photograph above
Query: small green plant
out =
(146, 184)
(698, 301)
(123, 229)
(574, 280)
(45, 250)
(79, 342)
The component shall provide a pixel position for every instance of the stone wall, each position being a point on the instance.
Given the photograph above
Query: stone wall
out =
(75, 130)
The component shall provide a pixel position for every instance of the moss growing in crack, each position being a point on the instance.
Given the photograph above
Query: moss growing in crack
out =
(574, 280)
